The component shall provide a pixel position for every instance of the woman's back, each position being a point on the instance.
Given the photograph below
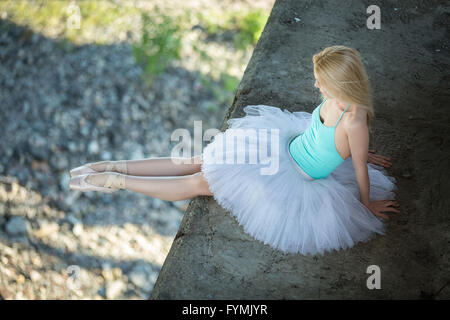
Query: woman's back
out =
(314, 150)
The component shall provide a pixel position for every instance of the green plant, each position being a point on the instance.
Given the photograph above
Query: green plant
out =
(51, 17)
(203, 54)
(223, 90)
(230, 83)
(250, 27)
(159, 44)
(212, 107)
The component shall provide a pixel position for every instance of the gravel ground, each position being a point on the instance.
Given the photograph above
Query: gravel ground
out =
(61, 108)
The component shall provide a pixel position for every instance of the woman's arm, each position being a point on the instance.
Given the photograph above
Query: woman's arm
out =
(358, 138)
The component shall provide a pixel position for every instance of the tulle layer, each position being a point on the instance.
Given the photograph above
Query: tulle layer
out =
(281, 206)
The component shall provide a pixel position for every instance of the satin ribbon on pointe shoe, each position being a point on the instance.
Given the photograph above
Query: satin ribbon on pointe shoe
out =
(115, 181)
(117, 166)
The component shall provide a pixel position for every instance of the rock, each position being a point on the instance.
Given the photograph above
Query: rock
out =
(108, 274)
(92, 106)
(17, 226)
(101, 292)
(72, 219)
(35, 276)
(158, 203)
(93, 147)
(171, 219)
(106, 155)
(72, 146)
(114, 289)
(137, 153)
(70, 198)
(47, 228)
(64, 181)
(38, 146)
(181, 205)
(61, 162)
(84, 128)
(20, 279)
(77, 229)
(141, 277)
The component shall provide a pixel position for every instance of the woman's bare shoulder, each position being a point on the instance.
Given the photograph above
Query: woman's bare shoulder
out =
(356, 120)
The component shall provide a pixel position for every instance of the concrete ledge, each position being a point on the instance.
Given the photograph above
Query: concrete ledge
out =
(212, 257)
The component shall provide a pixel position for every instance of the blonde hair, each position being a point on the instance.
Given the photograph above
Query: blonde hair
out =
(343, 76)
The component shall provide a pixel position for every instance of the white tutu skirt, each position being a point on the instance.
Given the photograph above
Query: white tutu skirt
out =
(288, 210)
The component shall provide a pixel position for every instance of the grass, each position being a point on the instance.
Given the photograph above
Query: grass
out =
(250, 28)
(247, 26)
(54, 18)
(223, 90)
(158, 41)
(159, 44)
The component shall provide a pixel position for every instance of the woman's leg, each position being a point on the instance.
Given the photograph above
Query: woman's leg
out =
(165, 188)
(157, 166)
(169, 188)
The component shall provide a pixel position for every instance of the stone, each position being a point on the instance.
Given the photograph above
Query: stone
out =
(93, 147)
(77, 229)
(114, 289)
(17, 226)
(47, 228)
(72, 219)
(35, 276)
(64, 180)
(72, 146)
(140, 276)
(106, 155)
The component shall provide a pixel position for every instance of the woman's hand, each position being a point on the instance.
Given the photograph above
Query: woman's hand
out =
(376, 207)
(378, 159)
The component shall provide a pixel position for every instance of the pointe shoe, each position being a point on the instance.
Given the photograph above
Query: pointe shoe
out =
(84, 169)
(111, 166)
(114, 182)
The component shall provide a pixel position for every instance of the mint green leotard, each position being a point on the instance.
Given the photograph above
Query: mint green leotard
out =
(314, 149)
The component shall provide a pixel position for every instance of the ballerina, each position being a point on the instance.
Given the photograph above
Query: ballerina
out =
(329, 191)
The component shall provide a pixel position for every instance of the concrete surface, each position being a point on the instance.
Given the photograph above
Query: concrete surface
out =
(408, 62)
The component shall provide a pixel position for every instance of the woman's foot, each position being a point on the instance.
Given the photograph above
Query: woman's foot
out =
(101, 166)
(104, 182)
